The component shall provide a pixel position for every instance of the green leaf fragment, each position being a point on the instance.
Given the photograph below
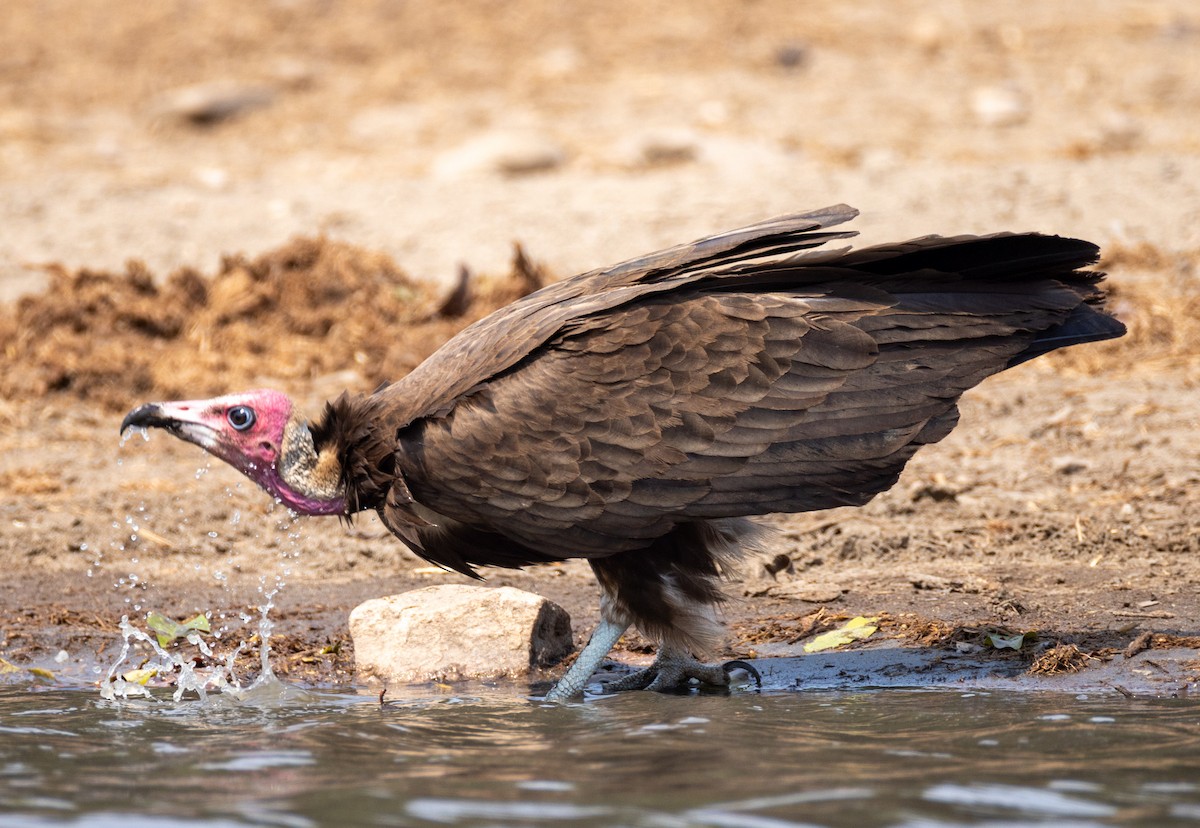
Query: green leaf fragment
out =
(140, 676)
(7, 667)
(853, 630)
(1007, 642)
(167, 629)
(199, 624)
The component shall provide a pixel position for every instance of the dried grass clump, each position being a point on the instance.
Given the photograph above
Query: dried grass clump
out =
(1065, 658)
(1157, 295)
(313, 307)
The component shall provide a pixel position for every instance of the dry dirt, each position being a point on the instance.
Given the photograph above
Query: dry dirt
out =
(301, 226)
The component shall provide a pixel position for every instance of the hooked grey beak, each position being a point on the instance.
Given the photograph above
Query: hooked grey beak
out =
(149, 415)
(184, 419)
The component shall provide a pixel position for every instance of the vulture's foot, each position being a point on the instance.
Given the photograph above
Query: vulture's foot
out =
(675, 669)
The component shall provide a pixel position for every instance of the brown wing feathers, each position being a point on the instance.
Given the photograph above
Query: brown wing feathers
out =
(499, 341)
(739, 375)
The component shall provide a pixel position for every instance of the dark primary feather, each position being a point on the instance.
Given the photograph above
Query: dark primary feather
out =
(628, 414)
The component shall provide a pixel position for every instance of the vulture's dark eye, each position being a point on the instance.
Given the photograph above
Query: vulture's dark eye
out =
(240, 417)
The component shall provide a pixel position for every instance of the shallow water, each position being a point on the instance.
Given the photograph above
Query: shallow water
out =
(877, 758)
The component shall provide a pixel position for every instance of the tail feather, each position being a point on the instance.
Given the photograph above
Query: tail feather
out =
(1020, 255)
(1084, 324)
(1018, 261)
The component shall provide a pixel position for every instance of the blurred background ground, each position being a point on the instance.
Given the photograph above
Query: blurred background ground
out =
(403, 140)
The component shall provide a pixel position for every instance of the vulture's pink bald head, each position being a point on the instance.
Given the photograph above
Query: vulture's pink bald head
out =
(258, 434)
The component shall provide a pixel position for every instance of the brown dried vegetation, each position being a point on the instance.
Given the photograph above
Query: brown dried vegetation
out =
(1065, 658)
(1158, 297)
(290, 316)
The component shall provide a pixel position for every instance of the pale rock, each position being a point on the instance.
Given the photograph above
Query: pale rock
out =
(457, 631)
(713, 113)
(928, 32)
(1070, 465)
(207, 103)
(559, 62)
(879, 160)
(1118, 132)
(214, 178)
(280, 208)
(293, 73)
(505, 152)
(657, 148)
(794, 55)
(999, 106)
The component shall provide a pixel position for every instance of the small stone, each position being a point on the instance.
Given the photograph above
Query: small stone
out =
(928, 32)
(713, 113)
(660, 148)
(1070, 465)
(792, 55)
(999, 106)
(214, 178)
(559, 62)
(1118, 132)
(208, 103)
(292, 73)
(878, 160)
(507, 153)
(930, 582)
(457, 631)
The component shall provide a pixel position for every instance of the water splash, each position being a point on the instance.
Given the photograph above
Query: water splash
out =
(265, 627)
(184, 664)
(188, 663)
(132, 683)
(129, 432)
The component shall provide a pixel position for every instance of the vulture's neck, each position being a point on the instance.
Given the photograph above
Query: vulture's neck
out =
(308, 481)
(350, 449)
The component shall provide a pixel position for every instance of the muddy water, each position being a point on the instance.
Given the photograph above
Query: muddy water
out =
(879, 758)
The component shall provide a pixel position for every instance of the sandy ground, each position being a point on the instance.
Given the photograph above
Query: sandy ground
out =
(424, 137)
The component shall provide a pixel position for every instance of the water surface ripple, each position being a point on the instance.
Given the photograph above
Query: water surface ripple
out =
(881, 758)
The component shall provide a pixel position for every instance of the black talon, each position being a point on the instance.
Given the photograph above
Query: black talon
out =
(728, 666)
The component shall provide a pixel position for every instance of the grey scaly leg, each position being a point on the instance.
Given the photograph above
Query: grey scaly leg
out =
(603, 639)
